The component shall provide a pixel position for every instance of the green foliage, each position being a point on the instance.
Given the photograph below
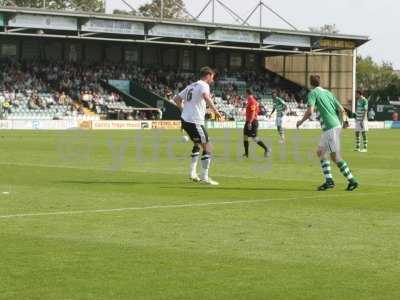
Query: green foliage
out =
(327, 28)
(88, 5)
(123, 12)
(173, 9)
(377, 79)
(84, 5)
(52, 4)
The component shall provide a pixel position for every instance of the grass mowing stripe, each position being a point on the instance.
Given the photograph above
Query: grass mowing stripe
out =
(189, 205)
(387, 184)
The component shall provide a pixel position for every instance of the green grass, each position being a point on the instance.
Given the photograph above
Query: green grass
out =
(287, 242)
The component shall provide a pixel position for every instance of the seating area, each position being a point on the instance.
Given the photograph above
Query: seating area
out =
(238, 113)
(230, 94)
(20, 106)
(46, 90)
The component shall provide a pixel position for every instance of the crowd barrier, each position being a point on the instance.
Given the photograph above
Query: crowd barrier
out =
(147, 125)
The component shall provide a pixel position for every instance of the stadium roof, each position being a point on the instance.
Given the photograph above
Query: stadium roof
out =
(135, 29)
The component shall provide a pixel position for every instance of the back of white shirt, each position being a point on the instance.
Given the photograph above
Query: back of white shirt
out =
(194, 106)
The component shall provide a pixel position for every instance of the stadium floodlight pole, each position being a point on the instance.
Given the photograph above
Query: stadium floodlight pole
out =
(185, 11)
(231, 12)
(162, 9)
(251, 14)
(212, 3)
(233, 16)
(261, 18)
(127, 4)
(203, 9)
(105, 6)
(77, 7)
(213, 11)
(353, 100)
(278, 15)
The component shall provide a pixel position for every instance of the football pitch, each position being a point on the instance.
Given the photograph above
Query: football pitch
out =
(112, 215)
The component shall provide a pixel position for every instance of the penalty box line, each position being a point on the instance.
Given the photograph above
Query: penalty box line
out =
(154, 207)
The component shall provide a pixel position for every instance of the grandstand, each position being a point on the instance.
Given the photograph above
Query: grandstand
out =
(59, 64)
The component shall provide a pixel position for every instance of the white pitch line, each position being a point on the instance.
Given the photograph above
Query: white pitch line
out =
(189, 205)
(79, 212)
(161, 173)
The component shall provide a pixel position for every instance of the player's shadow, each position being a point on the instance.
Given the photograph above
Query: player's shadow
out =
(255, 189)
(87, 182)
(179, 187)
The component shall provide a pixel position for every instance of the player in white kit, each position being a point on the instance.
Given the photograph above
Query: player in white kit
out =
(193, 102)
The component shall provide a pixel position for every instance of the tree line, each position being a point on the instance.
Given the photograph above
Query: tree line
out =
(377, 79)
(174, 9)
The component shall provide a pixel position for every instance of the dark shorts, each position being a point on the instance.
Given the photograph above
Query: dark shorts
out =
(254, 129)
(197, 133)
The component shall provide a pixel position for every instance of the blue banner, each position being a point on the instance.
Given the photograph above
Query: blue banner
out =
(392, 124)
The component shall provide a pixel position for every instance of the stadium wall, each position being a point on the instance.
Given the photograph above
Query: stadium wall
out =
(336, 71)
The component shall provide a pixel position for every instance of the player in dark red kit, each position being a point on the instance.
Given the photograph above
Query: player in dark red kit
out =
(251, 126)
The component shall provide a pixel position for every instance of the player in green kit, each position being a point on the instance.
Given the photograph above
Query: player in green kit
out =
(332, 114)
(280, 106)
(361, 121)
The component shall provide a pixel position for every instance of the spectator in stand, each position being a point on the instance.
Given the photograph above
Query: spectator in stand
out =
(49, 100)
(74, 81)
(371, 114)
(81, 110)
(168, 93)
(15, 102)
(62, 99)
(7, 106)
(292, 98)
(86, 98)
(32, 103)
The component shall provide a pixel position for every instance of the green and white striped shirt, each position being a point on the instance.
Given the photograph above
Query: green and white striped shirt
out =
(327, 105)
(280, 106)
(361, 108)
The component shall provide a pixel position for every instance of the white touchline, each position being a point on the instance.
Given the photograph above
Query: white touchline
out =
(77, 212)
(155, 172)
(95, 211)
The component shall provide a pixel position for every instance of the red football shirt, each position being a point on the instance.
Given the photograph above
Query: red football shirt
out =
(252, 109)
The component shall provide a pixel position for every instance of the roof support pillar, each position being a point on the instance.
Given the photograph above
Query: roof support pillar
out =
(353, 100)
